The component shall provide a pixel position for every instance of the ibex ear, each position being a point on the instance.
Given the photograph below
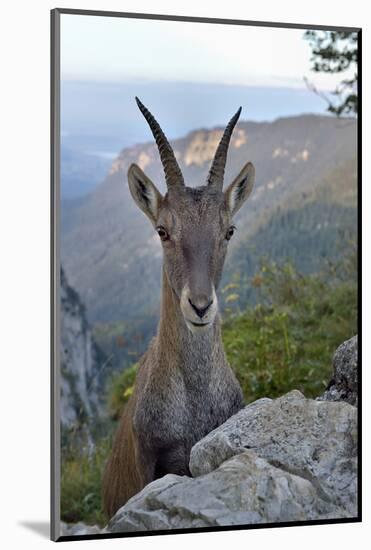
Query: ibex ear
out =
(241, 187)
(144, 192)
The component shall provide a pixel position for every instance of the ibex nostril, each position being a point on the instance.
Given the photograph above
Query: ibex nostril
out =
(200, 310)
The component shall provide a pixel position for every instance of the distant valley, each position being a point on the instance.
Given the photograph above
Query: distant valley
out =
(99, 119)
(81, 172)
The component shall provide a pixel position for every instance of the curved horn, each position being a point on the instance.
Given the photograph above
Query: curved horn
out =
(216, 173)
(172, 171)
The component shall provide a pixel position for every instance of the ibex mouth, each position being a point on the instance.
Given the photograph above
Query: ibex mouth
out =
(199, 324)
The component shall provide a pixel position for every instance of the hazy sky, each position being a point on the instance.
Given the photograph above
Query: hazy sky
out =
(119, 49)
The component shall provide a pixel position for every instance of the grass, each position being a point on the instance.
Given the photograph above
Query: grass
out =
(81, 484)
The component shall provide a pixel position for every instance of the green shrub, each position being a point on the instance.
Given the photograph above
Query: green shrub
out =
(288, 339)
(121, 388)
(81, 474)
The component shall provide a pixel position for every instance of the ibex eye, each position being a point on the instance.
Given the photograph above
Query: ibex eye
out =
(230, 232)
(162, 233)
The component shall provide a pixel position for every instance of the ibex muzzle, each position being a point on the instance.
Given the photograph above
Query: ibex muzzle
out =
(184, 386)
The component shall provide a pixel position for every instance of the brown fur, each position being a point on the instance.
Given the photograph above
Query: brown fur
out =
(121, 478)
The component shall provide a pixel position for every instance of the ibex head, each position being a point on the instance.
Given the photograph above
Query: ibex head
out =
(194, 224)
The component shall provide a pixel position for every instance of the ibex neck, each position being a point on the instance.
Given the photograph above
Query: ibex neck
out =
(177, 345)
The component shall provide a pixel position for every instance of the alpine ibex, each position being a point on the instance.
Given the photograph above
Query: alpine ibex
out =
(184, 386)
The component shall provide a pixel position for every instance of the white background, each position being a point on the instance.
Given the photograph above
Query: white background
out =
(24, 233)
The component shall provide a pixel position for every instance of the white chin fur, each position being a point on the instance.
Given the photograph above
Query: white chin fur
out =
(198, 329)
(194, 323)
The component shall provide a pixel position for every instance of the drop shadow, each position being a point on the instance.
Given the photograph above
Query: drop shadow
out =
(42, 528)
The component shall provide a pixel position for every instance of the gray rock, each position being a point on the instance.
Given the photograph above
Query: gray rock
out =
(73, 529)
(288, 459)
(246, 489)
(313, 439)
(344, 384)
(82, 363)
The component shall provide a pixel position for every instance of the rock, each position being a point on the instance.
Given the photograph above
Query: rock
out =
(344, 384)
(246, 489)
(288, 459)
(313, 439)
(82, 364)
(73, 529)
(224, 442)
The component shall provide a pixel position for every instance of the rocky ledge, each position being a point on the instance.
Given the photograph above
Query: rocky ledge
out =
(287, 459)
(276, 460)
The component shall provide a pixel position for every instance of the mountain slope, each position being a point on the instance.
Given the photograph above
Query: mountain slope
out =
(113, 257)
(310, 228)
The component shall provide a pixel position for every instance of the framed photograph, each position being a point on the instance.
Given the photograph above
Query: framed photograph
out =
(205, 274)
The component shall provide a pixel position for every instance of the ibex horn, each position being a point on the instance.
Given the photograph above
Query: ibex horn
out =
(216, 174)
(172, 171)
